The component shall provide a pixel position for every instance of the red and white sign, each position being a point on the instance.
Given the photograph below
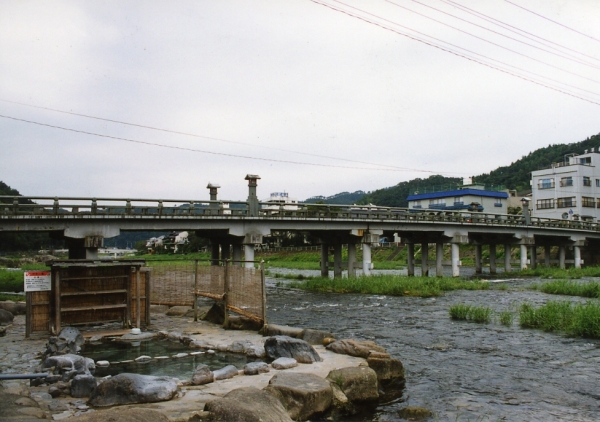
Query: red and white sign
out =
(37, 281)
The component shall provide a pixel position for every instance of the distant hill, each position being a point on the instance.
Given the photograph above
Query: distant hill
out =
(338, 198)
(516, 176)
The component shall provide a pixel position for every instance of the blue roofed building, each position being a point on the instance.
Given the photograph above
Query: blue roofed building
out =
(469, 196)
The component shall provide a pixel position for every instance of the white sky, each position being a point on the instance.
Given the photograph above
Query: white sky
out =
(293, 75)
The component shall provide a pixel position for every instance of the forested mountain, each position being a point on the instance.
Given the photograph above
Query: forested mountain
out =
(395, 196)
(338, 198)
(514, 176)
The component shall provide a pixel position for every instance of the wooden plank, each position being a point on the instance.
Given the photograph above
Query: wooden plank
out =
(57, 301)
(210, 295)
(93, 292)
(93, 308)
(28, 314)
(245, 313)
(138, 302)
(105, 333)
(95, 277)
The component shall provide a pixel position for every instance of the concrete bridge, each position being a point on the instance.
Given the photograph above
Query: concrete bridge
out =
(235, 227)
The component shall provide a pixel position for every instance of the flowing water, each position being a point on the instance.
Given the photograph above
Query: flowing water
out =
(462, 371)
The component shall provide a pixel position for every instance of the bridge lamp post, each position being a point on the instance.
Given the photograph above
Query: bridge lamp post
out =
(525, 201)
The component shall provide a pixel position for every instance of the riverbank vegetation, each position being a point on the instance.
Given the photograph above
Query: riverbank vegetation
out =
(555, 272)
(390, 285)
(578, 320)
(479, 314)
(589, 289)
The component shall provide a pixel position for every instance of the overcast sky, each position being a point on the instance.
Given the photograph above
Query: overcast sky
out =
(315, 98)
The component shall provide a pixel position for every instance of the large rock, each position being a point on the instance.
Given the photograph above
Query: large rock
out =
(270, 330)
(302, 395)
(69, 340)
(315, 336)
(226, 372)
(216, 314)
(288, 347)
(178, 310)
(247, 404)
(387, 369)
(284, 363)
(68, 366)
(255, 368)
(83, 386)
(134, 414)
(133, 388)
(6, 317)
(358, 383)
(202, 375)
(352, 347)
(15, 308)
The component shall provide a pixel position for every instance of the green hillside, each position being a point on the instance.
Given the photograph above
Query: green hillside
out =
(514, 176)
(338, 198)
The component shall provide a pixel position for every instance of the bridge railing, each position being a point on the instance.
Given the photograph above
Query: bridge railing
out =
(171, 208)
(26, 205)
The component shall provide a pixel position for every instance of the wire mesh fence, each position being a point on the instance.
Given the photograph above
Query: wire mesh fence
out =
(181, 282)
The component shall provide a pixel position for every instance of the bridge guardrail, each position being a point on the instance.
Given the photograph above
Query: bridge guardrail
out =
(170, 208)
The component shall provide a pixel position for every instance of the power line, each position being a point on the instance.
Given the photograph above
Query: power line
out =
(199, 136)
(501, 46)
(548, 19)
(214, 152)
(567, 57)
(449, 50)
(514, 29)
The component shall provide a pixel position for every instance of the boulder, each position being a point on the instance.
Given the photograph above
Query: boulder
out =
(6, 317)
(15, 308)
(288, 347)
(178, 310)
(248, 404)
(387, 369)
(358, 383)
(83, 385)
(198, 344)
(239, 346)
(256, 351)
(243, 323)
(133, 388)
(352, 347)
(302, 395)
(226, 372)
(3, 331)
(134, 414)
(315, 336)
(72, 339)
(284, 363)
(66, 367)
(255, 368)
(216, 314)
(202, 375)
(270, 330)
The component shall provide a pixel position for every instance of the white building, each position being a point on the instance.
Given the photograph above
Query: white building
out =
(280, 201)
(568, 190)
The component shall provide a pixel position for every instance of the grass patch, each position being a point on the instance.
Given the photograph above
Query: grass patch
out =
(392, 285)
(11, 281)
(579, 320)
(555, 272)
(14, 298)
(506, 318)
(570, 288)
(479, 314)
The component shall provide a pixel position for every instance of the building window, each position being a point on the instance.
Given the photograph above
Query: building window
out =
(437, 203)
(544, 204)
(498, 203)
(545, 183)
(565, 202)
(598, 183)
(458, 200)
(587, 181)
(566, 181)
(585, 160)
(587, 202)
(417, 204)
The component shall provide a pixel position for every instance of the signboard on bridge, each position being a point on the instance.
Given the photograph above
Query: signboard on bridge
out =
(37, 281)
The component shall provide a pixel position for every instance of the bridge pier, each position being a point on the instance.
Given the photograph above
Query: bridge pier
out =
(249, 255)
(478, 259)
(410, 259)
(492, 258)
(561, 256)
(547, 256)
(455, 260)
(366, 248)
(523, 257)
(237, 254)
(86, 248)
(439, 257)
(507, 258)
(351, 260)
(424, 259)
(337, 260)
(324, 260)
(533, 257)
(577, 256)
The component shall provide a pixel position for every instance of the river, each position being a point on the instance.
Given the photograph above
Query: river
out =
(461, 371)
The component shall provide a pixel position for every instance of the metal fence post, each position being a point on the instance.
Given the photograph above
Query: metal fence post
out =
(264, 292)
(196, 291)
(226, 293)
